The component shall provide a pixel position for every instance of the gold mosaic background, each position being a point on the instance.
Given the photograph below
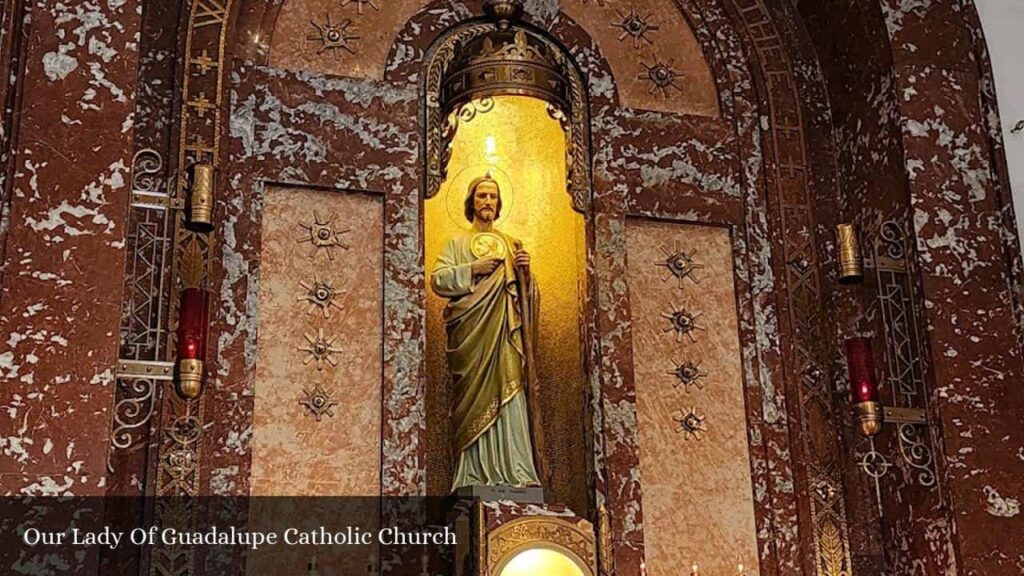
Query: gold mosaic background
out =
(526, 152)
(697, 494)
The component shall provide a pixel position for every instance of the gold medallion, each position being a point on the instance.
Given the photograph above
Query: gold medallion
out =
(487, 245)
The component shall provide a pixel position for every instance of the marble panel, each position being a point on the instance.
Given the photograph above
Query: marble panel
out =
(696, 474)
(313, 349)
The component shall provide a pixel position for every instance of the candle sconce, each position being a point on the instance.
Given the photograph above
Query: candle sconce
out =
(871, 416)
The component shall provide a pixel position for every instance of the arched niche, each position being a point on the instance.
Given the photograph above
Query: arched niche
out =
(533, 138)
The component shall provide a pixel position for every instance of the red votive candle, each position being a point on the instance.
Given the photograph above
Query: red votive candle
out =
(861, 364)
(193, 317)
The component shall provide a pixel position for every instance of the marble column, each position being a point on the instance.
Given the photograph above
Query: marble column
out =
(973, 334)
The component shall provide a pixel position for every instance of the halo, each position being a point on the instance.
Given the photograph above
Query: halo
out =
(455, 189)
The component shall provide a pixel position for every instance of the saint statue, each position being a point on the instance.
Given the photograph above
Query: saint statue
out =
(489, 318)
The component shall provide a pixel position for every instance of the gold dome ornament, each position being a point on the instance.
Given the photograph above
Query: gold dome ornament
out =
(506, 60)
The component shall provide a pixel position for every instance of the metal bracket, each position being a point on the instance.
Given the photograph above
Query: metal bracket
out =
(892, 414)
(139, 369)
(156, 201)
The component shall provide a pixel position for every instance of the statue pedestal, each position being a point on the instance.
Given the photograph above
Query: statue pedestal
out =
(492, 534)
(534, 495)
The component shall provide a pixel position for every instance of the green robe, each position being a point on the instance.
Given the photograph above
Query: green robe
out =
(490, 426)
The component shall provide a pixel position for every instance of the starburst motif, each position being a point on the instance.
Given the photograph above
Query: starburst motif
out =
(333, 37)
(691, 423)
(359, 5)
(661, 75)
(320, 349)
(320, 295)
(679, 264)
(323, 236)
(682, 322)
(635, 25)
(688, 374)
(318, 402)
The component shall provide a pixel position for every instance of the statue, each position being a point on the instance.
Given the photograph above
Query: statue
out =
(490, 320)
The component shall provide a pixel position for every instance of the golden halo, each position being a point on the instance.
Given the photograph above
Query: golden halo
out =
(455, 190)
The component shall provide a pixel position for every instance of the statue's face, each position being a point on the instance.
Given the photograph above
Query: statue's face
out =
(485, 201)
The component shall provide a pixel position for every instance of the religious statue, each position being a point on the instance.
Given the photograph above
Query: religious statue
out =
(490, 320)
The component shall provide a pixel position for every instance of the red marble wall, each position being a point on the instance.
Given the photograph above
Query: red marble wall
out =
(913, 110)
(64, 212)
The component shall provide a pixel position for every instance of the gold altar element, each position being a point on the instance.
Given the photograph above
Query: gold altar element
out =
(851, 269)
(542, 545)
(190, 377)
(522, 147)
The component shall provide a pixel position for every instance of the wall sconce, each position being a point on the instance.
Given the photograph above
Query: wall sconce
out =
(868, 410)
(864, 386)
(851, 268)
(193, 320)
(200, 206)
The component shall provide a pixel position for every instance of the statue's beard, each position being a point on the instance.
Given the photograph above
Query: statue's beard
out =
(485, 215)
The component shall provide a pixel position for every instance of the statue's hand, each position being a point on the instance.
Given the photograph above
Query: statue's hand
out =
(522, 259)
(484, 266)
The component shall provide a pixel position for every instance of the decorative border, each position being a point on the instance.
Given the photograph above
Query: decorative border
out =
(179, 460)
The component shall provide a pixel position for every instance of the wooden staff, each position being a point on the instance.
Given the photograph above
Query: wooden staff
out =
(532, 397)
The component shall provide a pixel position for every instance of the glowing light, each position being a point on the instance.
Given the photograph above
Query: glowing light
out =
(491, 150)
(544, 561)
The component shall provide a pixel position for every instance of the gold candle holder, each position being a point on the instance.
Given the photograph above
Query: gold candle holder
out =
(200, 210)
(190, 377)
(851, 268)
(869, 417)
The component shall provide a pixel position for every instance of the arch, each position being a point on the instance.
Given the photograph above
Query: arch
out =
(757, 247)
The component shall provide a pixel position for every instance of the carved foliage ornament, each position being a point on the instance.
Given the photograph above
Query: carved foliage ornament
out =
(689, 375)
(323, 236)
(661, 75)
(679, 264)
(318, 402)
(320, 294)
(634, 25)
